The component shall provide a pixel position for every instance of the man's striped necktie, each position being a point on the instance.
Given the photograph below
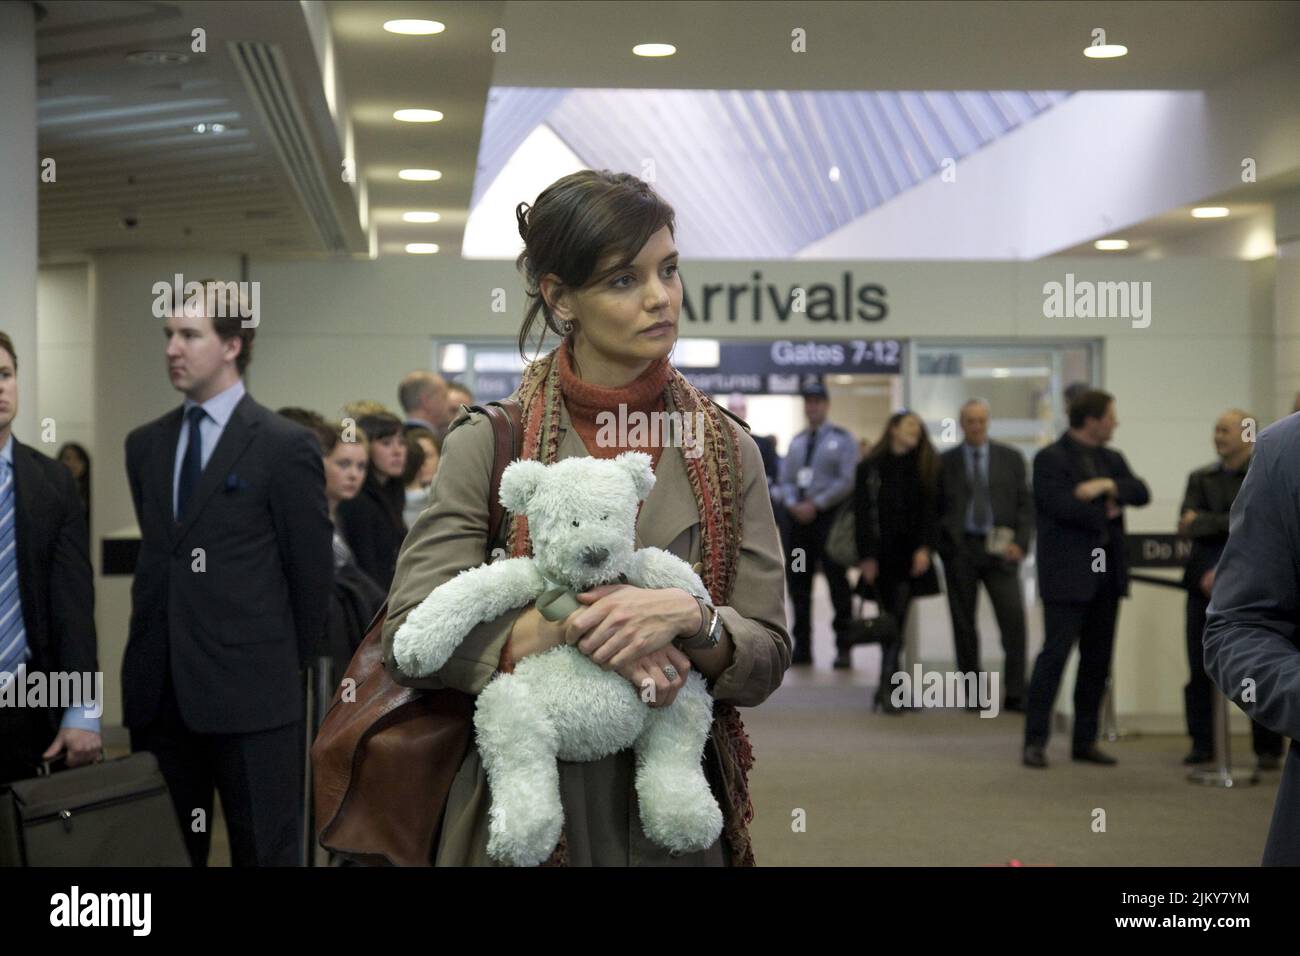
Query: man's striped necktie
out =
(13, 636)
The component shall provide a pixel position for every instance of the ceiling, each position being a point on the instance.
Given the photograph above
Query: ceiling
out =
(122, 133)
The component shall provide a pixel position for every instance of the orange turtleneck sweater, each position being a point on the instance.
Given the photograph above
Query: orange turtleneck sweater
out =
(644, 394)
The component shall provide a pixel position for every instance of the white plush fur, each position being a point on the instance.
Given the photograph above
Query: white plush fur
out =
(559, 705)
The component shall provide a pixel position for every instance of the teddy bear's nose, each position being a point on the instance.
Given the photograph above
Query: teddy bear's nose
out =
(593, 557)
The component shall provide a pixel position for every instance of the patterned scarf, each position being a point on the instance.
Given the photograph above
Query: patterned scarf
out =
(715, 478)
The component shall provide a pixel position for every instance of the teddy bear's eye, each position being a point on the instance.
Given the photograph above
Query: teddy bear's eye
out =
(575, 524)
(603, 517)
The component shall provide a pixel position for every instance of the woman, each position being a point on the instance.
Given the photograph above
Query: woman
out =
(601, 270)
(422, 453)
(77, 460)
(897, 529)
(356, 596)
(372, 521)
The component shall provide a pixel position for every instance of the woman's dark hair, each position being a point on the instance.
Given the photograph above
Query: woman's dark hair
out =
(381, 426)
(927, 461)
(83, 483)
(1090, 404)
(414, 454)
(576, 221)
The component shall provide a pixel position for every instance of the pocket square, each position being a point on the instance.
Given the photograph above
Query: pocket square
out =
(235, 483)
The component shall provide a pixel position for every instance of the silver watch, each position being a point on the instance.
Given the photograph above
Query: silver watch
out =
(708, 637)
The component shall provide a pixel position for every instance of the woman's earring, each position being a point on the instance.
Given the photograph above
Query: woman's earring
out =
(566, 326)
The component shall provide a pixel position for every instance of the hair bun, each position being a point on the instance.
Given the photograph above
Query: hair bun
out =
(521, 216)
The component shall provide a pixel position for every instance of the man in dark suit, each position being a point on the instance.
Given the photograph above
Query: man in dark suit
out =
(230, 594)
(982, 487)
(1206, 507)
(1252, 645)
(1080, 491)
(47, 603)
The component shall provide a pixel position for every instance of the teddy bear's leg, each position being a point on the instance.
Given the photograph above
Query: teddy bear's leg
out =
(517, 742)
(678, 810)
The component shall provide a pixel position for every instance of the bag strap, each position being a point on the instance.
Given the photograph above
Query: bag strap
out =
(506, 417)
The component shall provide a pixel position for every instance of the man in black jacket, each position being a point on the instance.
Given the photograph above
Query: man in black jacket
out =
(1252, 644)
(982, 494)
(47, 603)
(1206, 506)
(230, 594)
(1080, 491)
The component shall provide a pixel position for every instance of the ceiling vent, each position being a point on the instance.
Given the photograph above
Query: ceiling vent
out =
(265, 73)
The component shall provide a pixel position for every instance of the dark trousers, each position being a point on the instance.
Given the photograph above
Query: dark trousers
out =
(1092, 625)
(25, 733)
(894, 598)
(964, 569)
(1198, 695)
(258, 775)
(809, 538)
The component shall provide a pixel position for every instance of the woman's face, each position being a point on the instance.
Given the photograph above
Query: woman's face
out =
(430, 466)
(345, 470)
(627, 316)
(388, 455)
(907, 434)
(73, 461)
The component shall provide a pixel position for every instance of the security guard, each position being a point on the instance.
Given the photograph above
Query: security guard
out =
(816, 475)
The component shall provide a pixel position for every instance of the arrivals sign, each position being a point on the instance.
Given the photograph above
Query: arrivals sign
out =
(758, 302)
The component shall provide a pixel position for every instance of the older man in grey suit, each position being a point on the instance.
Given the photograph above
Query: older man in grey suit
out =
(1252, 645)
(983, 497)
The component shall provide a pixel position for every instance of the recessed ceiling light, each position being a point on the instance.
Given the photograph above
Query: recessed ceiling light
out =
(157, 58)
(421, 248)
(209, 127)
(421, 216)
(1106, 51)
(1110, 245)
(419, 175)
(1210, 212)
(414, 28)
(417, 116)
(654, 49)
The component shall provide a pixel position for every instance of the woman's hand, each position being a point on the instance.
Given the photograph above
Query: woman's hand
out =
(533, 634)
(622, 623)
(646, 674)
(920, 562)
(870, 568)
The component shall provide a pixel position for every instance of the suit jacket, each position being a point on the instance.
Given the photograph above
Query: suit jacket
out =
(1251, 637)
(371, 523)
(233, 634)
(449, 536)
(1069, 529)
(1009, 496)
(55, 580)
(1210, 493)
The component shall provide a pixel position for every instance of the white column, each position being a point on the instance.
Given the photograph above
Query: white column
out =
(19, 179)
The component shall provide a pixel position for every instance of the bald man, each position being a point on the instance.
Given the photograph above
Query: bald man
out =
(423, 395)
(1206, 506)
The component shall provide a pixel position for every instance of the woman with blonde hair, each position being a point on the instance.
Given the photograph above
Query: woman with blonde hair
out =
(600, 264)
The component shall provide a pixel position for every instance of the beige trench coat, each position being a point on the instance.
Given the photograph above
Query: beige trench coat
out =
(601, 819)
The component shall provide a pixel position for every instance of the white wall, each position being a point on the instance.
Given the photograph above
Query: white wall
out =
(332, 332)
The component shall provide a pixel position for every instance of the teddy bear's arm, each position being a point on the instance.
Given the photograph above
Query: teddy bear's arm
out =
(657, 568)
(432, 631)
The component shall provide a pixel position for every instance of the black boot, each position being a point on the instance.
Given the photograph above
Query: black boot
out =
(889, 654)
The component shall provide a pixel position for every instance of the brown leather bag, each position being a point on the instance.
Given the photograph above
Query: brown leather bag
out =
(383, 761)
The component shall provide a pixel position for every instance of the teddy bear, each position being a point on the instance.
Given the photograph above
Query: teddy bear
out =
(559, 705)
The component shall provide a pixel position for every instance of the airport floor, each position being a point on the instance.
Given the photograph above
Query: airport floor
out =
(941, 788)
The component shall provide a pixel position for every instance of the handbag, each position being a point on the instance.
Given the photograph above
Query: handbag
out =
(842, 538)
(114, 813)
(384, 759)
(881, 629)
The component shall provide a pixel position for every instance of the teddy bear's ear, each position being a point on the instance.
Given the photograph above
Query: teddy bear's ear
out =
(638, 467)
(518, 482)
